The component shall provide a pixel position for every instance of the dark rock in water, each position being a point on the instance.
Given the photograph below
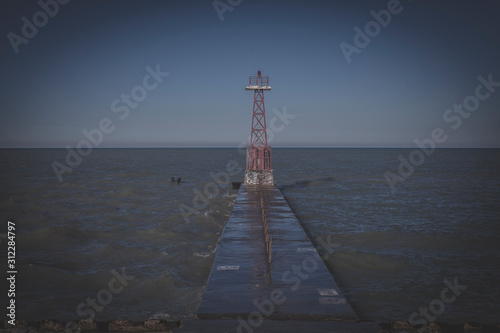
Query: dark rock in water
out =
(172, 180)
(402, 325)
(87, 325)
(160, 325)
(236, 185)
(472, 326)
(123, 326)
(20, 324)
(179, 180)
(434, 327)
(438, 327)
(52, 325)
(154, 325)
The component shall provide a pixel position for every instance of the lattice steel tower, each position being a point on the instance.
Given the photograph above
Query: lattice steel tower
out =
(258, 171)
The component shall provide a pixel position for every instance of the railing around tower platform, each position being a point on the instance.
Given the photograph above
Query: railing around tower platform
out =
(258, 80)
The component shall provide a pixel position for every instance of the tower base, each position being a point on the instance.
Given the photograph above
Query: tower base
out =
(259, 177)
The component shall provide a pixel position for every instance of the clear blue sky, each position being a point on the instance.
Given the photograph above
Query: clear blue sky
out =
(396, 90)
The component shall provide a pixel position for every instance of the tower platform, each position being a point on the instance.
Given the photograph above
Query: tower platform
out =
(257, 87)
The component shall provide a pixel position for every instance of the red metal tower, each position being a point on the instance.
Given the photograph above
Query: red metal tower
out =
(258, 171)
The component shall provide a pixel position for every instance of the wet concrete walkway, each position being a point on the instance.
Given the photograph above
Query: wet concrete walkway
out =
(245, 287)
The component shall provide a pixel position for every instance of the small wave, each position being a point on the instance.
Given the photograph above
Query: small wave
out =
(204, 254)
(72, 186)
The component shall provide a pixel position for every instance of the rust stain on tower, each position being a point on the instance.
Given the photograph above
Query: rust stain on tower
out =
(258, 169)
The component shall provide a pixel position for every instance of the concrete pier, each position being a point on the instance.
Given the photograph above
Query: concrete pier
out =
(245, 287)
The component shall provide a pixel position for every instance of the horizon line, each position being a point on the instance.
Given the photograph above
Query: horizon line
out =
(232, 147)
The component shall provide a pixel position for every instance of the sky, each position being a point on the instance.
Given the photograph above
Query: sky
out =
(339, 77)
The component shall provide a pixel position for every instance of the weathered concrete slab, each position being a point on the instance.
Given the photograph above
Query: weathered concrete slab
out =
(296, 285)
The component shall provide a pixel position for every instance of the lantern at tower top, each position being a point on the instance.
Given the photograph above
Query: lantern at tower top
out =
(258, 82)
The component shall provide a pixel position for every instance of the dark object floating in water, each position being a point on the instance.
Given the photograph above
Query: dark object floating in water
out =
(178, 181)
(236, 185)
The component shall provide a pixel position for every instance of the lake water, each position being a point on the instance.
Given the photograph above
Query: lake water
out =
(118, 210)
